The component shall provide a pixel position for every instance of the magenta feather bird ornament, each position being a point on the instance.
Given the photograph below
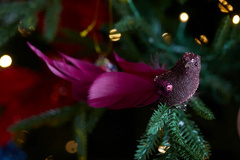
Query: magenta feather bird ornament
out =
(138, 87)
(81, 73)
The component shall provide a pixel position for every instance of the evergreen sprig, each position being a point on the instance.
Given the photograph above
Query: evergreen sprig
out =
(52, 118)
(81, 133)
(6, 33)
(16, 7)
(194, 139)
(52, 18)
(93, 117)
(129, 23)
(147, 146)
(158, 119)
(218, 85)
(222, 34)
(173, 125)
(26, 12)
(151, 139)
(177, 140)
(121, 7)
(200, 108)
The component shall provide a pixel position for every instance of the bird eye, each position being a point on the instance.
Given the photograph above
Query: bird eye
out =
(196, 64)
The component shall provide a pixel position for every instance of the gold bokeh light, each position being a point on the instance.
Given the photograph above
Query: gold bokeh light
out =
(167, 37)
(71, 146)
(204, 39)
(113, 35)
(198, 42)
(224, 6)
(184, 17)
(25, 31)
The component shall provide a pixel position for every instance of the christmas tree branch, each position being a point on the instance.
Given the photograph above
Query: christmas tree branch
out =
(218, 85)
(81, 133)
(134, 9)
(176, 137)
(158, 119)
(151, 139)
(222, 34)
(194, 139)
(199, 107)
(93, 117)
(50, 118)
(52, 18)
(147, 146)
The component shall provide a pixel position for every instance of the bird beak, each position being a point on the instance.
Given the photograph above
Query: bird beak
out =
(187, 65)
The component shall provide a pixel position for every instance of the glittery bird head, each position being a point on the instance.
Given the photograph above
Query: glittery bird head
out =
(190, 63)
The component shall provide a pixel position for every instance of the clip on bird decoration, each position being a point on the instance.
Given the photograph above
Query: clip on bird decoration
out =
(139, 86)
(116, 90)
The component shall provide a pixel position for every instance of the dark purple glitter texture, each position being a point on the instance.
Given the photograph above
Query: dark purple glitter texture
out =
(184, 78)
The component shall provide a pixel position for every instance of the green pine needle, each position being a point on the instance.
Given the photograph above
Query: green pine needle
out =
(129, 23)
(81, 133)
(17, 7)
(52, 18)
(93, 117)
(151, 139)
(201, 109)
(221, 89)
(194, 139)
(158, 119)
(222, 34)
(176, 137)
(6, 33)
(173, 126)
(52, 118)
(147, 146)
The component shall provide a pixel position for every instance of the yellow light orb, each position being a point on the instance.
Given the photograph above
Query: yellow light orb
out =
(71, 147)
(184, 17)
(113, 35)
(224, 2)
(235, 19)
(198, 42)
(222, 8)
(5, 61)
(204, 39)
(230, 7)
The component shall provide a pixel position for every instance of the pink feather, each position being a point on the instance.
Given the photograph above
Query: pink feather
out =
(139, 69)
(116, 90)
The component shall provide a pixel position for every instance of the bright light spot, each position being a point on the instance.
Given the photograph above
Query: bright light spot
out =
(181, 123)
(5, 61)
(113, 31)
(204, 39)
(184, 17)
(162, 149)
(224, 2)
(198, 42)
(222, 8)
(235, 19)
(164, 34)
(230, 8)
